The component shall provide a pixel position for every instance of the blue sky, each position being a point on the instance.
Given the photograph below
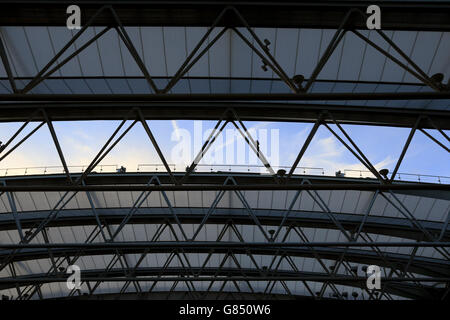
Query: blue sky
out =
(81, 141)
(30, 49)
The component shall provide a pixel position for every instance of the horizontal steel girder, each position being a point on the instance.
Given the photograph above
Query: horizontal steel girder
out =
(247, 111)
(332, 251)
(397, 227)
(396, 286)
(118, 188)
(226, 97)
(183, 295)
(221, 244)
(396, 15)
(212, 181)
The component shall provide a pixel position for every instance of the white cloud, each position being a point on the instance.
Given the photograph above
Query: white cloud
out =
(329, 154)
(80, 147)
(176, 129)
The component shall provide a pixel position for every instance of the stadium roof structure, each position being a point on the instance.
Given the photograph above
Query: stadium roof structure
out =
(224, 234)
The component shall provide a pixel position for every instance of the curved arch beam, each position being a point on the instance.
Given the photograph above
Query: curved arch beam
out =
(420, 265)
(397, 227)
(399, 288)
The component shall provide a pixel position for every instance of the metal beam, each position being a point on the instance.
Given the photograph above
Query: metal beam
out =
(421, 265)
(7, 66)
(424, 95)
(223, 244)
(404, 15)
(229, 274)
(248, 111)
(210, 187)
(183, 295)
(342, 279)
(214, 178)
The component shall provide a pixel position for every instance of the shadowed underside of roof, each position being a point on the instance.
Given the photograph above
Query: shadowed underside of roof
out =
(228, 235)
(392, 69)
(170, 220)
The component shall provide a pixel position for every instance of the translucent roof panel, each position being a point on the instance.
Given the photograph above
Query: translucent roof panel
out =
(230, 65)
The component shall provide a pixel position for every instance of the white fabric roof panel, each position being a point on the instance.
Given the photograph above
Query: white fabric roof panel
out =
(209, 232)
(100, 69)
(163, 50)
(353, 202)
(157, 260)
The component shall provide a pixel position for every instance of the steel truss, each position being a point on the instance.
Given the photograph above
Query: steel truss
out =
(229, 274)
(400, 271)
(261, 49)
(81, 183)
(59, 252)
(408, 15)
